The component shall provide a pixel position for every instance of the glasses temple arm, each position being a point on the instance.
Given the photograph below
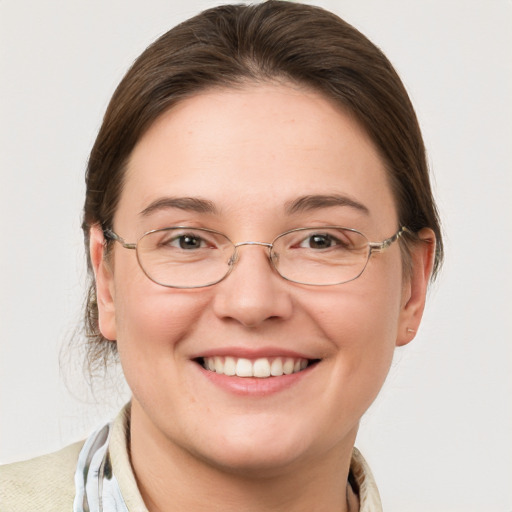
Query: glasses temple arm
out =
(380, 246)
(110, 235)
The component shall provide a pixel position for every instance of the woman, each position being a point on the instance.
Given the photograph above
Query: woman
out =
(261, 233)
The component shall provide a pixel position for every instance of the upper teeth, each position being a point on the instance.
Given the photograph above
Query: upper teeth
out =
(262, 367)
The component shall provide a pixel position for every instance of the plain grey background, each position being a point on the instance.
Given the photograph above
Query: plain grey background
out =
(439, 438)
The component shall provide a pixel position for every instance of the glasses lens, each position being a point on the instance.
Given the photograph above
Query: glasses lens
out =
(185, 257)
(322, 256)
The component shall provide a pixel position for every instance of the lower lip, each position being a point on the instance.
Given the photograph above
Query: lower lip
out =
(253, 386)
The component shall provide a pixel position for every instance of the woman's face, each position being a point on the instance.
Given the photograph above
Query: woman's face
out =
(250, 154)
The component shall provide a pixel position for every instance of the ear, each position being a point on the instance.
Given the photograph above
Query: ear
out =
(104, 278)
(415, 287)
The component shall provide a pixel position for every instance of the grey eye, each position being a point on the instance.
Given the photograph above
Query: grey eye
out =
(318, 241)
(185, 242)
(188, 242)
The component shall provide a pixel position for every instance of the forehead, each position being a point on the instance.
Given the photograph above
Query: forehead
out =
(253, 149)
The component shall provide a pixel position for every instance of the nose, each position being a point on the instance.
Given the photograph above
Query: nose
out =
(253, 292)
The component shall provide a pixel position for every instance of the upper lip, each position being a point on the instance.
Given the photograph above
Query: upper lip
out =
(252, 353)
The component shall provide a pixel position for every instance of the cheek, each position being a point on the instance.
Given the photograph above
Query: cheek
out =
(362, 327)
(151, 324)
(361, 323)
(364, 311)
(151, 321)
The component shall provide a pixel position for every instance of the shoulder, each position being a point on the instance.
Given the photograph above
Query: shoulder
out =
(41, 484)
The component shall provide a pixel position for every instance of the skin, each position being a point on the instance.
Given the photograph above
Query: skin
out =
(251, 151)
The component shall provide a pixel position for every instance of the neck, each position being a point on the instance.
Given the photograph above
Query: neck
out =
(171, 478)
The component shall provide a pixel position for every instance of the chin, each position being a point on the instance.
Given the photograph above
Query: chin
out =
(258, 448)
(252, 460)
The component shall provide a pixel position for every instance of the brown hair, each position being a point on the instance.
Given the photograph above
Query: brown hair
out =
(274, 40)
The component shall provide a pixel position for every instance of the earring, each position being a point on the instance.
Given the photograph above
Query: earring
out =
(411, 330)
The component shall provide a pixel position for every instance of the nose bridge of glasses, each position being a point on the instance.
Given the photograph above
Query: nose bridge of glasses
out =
(234, 257)
(264, 244)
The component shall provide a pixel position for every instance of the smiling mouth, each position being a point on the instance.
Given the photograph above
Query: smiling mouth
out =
(260, 368)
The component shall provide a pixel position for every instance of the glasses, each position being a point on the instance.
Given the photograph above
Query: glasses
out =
(186, 257)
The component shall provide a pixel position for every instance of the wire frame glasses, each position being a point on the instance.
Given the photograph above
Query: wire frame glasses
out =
(187, 257)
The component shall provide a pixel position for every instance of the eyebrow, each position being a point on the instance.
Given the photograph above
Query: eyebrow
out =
(301, 204)
(314, 202)
(194, 204)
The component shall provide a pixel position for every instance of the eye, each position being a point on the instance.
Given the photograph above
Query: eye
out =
(319, 241)
(187, 242)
